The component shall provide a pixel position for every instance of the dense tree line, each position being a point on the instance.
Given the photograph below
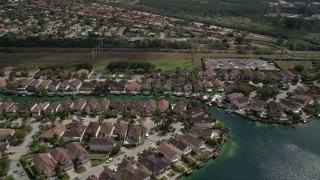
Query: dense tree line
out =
(92, 42)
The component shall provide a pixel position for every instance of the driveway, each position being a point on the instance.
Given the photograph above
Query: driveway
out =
(18, 172)
(283, 94)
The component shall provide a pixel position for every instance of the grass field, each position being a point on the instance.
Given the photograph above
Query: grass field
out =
(163, 60)
(290, 64)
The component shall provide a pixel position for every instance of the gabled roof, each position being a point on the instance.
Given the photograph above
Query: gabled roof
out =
(163, 105)
(179, 106)
(192, 139)
(76, 151)
(60, 155)
(177, 143)
(92, 127)
(169, 150)
(134, 131)
(101, 141)
(6, 132)
(109, 175)
(106, 128)
(235, 96)
(43, 162)
(152, 162)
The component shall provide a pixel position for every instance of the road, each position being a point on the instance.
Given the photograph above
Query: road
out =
(18, 172)
(283, 94)
(147, 144)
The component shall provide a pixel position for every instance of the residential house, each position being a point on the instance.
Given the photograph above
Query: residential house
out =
(6, 105)
(67, 104)
(75, 85)
(27, 107)
(234, 74)
(133, 86)
(257, 106)
(151, 107)
(53, 87)
(3, 83)
(209, 73)
(202, 122)
(90, 107)
(12, 110)
(134, 134)
(5, 134)
(109, 175)
(170, 153)
(153, 162)
(87, 86)
(290, 106)
(45, 164)
(55, 129)
(64, 86)
(120, 131)
(146, 85)
(53, 108)
(77, 152)
(44, 85)
(305, 98)
(75, 133)
(233, 96)
(102, 106)
(167, 85)
(136, 108)
(33, 85)
(163, 105)
(24, 84)
(93, 128)
(5, 71)
(157, 84)
(184, 148)
(101, 144)
(78, 74)
(240, 102)
(106, 129)
(206, 132)
(118, 107)
(119, 86)
(78, 106)
(36, 111)
(195, 143)
(222, 74)
(275, 109)
(61, 156)
(179, 107)
(193, 112)
(128, 169)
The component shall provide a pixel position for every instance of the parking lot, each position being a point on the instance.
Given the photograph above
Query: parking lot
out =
(239, 63)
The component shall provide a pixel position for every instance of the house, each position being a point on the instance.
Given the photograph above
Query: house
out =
(109, 175)
(209, 73)
(53, 87)
(136, 108)
(5, 134)
(306, 99)
(118, 107)
(33, 85)
(153, 162)
(219, 85)
(67, 104)
(78, 74)
(36, 111)
(128, 169)
(170, 153)
(93, 128)
(102, 106)
(233, 96)
(120, 131)
(5, 71)
(163, 105)
(45, 164)
(118, 86)
(275, 109)
(133, 86)
(222, 74)
(167, 85)
(106, 129)
(87, 86)
(179, 107)
(75, 133)
(101, 144)
(61, 156)
(53, 108)
(184, 148)
(75, 85)
(55, 129)
(64, 86)
(206, 132)
(44, 85)
(157, 84)
(193, 112)
(234, 74)
(90, 107)
(290, 106)
(2, 83)
(77, 152)
(146, 85)
(257, 106)
(133, 135)
(151, 107)
(23, 108)
(195, 143)
(202, 121)
(6, 105)
(78, 106)
(240, 102)
(12, 109)
(24, 84)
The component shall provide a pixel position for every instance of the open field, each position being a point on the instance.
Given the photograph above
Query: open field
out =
(163, 60)
(290, 64)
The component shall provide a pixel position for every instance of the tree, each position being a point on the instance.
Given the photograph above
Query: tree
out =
(299, 68)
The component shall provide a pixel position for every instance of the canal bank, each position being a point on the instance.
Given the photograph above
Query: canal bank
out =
(265, 151)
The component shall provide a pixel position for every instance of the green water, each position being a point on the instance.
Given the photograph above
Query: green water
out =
(260, 151)
(254, 150)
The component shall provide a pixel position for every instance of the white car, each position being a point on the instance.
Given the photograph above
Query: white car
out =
(109, 160)
(147, 135)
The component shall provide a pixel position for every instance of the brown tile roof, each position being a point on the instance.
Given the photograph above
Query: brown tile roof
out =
(120, 129)
(43, 162)
(45, 83)
(235, 96)
(56, 128)
(61, 155)
(101, 141)
(6, 132)
(134, 131)
(109, 175)
(75, 150)
(153, 162)
(177, 143)
(168, 150)
(191, 139)
(92, 127)
(163, 105)
(131, 171)
(106, 129)
(179, 106)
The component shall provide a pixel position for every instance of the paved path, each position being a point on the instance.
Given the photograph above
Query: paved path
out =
(18, 172)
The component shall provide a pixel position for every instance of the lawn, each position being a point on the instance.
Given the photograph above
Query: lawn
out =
(79, 169)
(202, 156)
(98, 155)
(97, 162)
(290, 64)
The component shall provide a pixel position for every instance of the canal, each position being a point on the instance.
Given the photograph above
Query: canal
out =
(254, 150)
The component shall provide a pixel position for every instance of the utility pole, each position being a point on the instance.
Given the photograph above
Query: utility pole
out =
(193, 52)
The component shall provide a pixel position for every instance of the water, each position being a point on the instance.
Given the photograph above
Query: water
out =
(261, 151)
(254, 150)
